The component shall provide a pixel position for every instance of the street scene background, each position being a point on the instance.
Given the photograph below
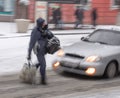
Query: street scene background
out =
(17, 20)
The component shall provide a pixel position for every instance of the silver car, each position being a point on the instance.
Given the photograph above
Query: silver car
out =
(97, 54)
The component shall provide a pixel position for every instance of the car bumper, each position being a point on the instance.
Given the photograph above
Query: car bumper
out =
(81, 68)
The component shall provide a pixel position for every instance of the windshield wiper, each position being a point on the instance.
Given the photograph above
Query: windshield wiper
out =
(84, 39)
(101, 42)
(87, 40)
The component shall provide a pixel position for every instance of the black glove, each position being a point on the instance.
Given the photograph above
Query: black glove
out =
(29, 57)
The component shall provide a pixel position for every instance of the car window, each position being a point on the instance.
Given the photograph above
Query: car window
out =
(105, 37)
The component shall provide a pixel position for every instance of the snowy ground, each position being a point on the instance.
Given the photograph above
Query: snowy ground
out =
(112, 92)
(10, 29)
(13, 50)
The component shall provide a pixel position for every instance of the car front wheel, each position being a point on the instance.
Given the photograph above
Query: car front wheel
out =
(111, 70)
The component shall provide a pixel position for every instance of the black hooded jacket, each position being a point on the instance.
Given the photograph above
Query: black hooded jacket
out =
(39, 34)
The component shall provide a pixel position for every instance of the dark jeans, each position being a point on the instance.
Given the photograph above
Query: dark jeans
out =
(94, 22)
(41, 64)
(59, 24)
(78, 22)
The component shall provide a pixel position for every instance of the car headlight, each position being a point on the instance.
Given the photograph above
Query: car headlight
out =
(92, 59)
(90, 71)
(60, 53)
(56, 65)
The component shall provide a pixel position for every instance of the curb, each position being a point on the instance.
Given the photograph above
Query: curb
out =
(3, 37)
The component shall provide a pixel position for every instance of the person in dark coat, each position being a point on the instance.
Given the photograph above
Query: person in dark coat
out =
(40, 35)
(57, 18)
(94, 16)
(54, 16)
(79, 13)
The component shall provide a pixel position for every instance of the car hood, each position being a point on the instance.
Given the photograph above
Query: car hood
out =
(88, 49)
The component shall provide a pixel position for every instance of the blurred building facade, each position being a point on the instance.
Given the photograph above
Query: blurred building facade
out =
(7, 8)
(107, 10)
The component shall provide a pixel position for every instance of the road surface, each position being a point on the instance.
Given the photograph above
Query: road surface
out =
(13, 51)
(12, 56)
(60, 86)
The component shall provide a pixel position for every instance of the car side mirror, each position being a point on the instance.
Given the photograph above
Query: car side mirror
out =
(82, 38)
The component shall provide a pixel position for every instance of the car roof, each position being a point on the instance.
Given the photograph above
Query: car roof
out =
(112, 28)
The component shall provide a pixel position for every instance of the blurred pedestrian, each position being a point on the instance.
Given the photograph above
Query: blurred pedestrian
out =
(40, 36)
(60, 22)
(54, 14)
(79, 13)
(94, 16)
(57, 18)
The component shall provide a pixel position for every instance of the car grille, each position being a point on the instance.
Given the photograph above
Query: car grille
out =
(74, 56)
(69, 64)
(77, 67)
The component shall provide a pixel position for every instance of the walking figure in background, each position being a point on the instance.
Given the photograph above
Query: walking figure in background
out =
(60, 22)
(79, 13)
(94, 16)
(57, 18)
(40, 36)
(54, 14)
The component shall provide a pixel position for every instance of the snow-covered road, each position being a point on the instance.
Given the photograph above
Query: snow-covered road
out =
(13, 52)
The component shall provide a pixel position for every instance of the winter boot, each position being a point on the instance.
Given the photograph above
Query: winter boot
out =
(43, 81)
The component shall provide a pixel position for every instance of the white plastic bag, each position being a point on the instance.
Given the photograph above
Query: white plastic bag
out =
(28, 73)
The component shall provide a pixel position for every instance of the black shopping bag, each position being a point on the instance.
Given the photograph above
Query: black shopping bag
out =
(53, 45)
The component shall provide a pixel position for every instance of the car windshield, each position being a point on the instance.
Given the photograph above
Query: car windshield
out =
(105, 37)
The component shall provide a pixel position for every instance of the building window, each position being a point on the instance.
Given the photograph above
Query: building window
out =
(86, 4)
(7, 7)
(115, 3)
(83, 2)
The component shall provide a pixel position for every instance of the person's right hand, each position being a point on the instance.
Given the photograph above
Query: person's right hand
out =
(29, 58)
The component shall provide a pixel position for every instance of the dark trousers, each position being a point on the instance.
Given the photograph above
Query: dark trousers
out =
(59, 24)
(42, 64)
(78, 22)
(94, 22)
